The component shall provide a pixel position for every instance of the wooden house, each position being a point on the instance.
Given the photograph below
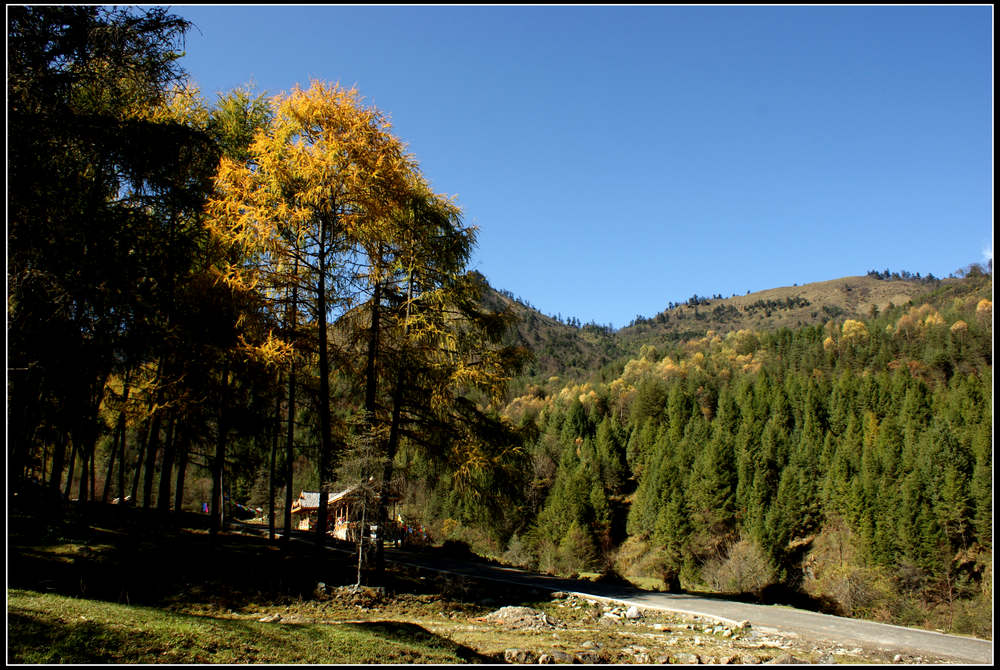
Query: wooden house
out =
(344, 513)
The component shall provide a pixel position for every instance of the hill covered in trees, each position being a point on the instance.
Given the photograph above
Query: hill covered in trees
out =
(571, 350)
(847, 461)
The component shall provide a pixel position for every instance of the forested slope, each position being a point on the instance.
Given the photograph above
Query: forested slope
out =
(848, 460)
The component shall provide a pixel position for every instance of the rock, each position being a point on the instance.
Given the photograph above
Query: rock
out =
(898, 658)
(749, 659)
(561, 656)
(643, 659)
(661, 626)
(519, 656)
(587, 657)
(271, 618)
(590, 644)
(685, 658)
(558, 595)
(522, 618)
(730, 660)
(633, 613)
(545, 658)
(662, 660)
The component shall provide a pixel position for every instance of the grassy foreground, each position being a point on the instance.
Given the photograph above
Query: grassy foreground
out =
(104, 584)
(50, 628)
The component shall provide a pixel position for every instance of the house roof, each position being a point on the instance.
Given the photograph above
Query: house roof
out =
(342, 494)
(309, 500)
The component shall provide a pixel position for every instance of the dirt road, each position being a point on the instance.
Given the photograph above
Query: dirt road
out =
(768, 618)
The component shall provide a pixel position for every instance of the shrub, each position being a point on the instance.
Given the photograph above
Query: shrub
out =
(745, 569)
(577, 551)
(518, 553)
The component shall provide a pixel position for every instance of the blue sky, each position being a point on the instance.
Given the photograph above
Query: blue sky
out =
(619, 158)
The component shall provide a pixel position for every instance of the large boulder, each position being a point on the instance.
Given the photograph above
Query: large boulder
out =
(519, 656)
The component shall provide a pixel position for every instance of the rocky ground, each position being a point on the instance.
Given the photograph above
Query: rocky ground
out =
(532, 627)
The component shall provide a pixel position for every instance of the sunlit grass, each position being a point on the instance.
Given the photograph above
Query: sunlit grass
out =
(648, 583)
(49, 628)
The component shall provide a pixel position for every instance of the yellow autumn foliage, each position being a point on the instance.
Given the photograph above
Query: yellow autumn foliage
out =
(853, 331)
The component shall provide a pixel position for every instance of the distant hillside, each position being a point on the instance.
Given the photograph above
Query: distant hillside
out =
(560, 349)
(788, 306)
(573, 351)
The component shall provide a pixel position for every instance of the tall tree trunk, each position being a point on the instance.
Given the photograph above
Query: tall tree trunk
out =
(140, 454)
(182, 461)
(152, 446)
(87, 428)
(86, 461)
(385, 489)
(58, 462)
(109, 469)
(85, 455)
(219, 462)
(117, 451)
(152, 430)
(122, 450)
(371, 367)
(361, 537)
(142, 447)
(93, 471)
(272, 470)
(167, 468)
(69, 476)
(391, 447)
(326, 439)
(290, 438)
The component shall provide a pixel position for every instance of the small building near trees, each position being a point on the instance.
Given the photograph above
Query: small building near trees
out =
(345, 510)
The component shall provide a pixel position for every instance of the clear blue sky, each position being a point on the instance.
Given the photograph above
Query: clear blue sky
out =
(619, 158)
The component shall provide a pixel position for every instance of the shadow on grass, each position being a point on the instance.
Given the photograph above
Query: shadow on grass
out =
(37, 634)
(32, 639)
(136, 556)
(411, 633)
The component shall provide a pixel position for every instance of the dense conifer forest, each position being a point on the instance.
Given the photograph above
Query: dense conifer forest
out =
(213, 306)
(847, 462)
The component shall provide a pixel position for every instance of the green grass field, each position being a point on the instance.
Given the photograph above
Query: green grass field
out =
(50, 628)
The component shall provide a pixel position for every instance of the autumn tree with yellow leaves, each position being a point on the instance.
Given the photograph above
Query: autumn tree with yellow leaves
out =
(334, 210)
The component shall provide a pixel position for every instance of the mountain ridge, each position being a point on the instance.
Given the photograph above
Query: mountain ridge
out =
(581, 351)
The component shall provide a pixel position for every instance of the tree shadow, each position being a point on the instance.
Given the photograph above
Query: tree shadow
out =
(44, 637)
(136, 556)
(410, 633)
